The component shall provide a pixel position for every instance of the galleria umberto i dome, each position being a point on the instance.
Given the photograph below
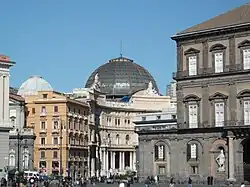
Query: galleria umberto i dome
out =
(115, 93)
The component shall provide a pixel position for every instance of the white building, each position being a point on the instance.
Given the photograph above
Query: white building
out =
(117, 92)
(5, 64)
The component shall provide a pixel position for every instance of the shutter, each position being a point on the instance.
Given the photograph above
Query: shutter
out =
(246, 59)
(156, 152)
(219, 114)
(164, 152)
(246, 112)
(218, 62)
(188, 152)
(192, 64)
(197, 151)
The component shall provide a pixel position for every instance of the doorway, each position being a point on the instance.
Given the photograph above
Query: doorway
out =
(246, 159)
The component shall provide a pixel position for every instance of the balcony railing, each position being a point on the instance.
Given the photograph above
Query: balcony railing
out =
(156, 127)
(206, 72)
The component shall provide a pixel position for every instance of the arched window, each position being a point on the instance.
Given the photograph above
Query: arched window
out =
(12, 158)
(117, 139)
(127, 139)
(160, 152)
(192, 151)
(26, 158)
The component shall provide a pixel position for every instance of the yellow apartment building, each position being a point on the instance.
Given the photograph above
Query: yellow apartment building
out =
(57, 118)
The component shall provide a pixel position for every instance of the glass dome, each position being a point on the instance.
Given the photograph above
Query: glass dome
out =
(120, 77)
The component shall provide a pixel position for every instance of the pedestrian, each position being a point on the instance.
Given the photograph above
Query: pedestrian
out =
(190, 182)
(242, 184)
(171, 182)
(147, 181)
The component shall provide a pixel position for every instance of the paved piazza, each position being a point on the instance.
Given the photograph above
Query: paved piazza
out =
(161, 185)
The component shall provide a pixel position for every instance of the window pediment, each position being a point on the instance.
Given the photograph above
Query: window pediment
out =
(191, 51)
(243, 93)
(217, 95)
(245, 43)
(217, 46)
(190, 98)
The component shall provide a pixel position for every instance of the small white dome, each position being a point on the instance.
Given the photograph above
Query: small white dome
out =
(33, 85)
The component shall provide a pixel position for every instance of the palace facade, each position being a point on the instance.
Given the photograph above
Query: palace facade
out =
(212, 138)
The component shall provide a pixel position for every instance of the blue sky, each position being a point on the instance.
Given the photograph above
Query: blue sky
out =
(65, 41)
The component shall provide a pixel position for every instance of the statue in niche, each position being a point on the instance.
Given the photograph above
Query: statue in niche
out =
(221, 161)
(96, 84)
(150, 90)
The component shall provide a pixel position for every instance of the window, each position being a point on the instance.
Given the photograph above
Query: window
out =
(42, 164)
(143, 118)
(193, 117)
(33, 110)
(219, 114)
(246, 112)
(43, 125)
(26, 158)
(55, 154)
(12, 158)
(55, 109)
(55, 140)
(218, 62)
(117, 139)
(43, 109)
(127, 139)
(192, 65)
(42, 141)
(194, 169)
(159, 152)
(45, 96)
(42, 154)
(158, 117)
(161, 170)
(193, 151)
(55, 125)
(246, 59)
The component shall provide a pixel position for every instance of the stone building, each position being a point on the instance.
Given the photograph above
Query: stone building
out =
(5, 126)
(61, 128)
(213, 91)
(21, 138)
(116, 92)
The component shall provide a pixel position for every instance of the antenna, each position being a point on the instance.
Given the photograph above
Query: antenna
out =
(121, 48)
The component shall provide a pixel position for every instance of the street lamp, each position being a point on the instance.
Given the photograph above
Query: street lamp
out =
(19, 137)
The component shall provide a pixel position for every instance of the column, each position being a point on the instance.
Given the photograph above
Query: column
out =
(111, 160)
(1, 99)
(114, 160)
(107, 163)
(103, 162)
(123, 161)
(97, 161)
(120, 160)
(131, 160)
(134, 160)
(231, 158)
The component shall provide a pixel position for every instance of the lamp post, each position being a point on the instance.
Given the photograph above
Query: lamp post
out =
(18, 157)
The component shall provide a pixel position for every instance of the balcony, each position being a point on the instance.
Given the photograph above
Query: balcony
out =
(43, 131)
(43, 114)
(209, 72)
(173, 126)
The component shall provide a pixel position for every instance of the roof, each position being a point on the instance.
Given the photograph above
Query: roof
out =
(16, 97)
(6, 60)
(121, 76)
(235, 17)
(33, 85)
